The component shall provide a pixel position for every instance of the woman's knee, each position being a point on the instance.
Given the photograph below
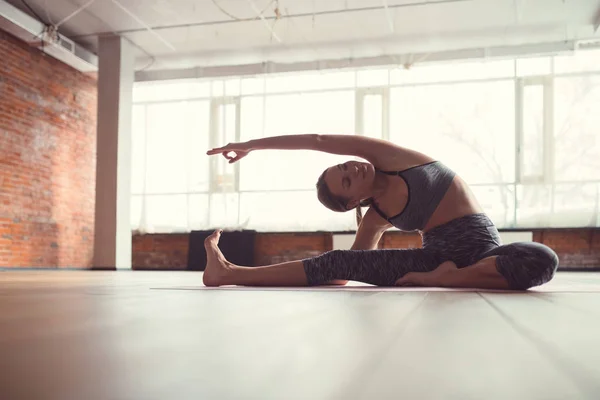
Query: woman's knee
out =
(525, 265)
(547, 261)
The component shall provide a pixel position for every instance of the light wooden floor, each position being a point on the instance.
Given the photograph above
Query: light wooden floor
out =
(160, 335)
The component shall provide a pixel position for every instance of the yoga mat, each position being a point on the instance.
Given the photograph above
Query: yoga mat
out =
(549, 288)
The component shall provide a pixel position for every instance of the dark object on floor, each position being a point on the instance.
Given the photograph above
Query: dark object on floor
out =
(236, 246)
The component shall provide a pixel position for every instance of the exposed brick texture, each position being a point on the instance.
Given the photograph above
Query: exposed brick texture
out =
(577, 248)
(47, 160)
(160, 251)
(400, 240)
(271, 248)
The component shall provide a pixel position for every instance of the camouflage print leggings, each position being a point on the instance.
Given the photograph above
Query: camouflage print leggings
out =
(464, 241)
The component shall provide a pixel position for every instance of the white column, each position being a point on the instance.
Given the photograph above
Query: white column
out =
(112, 241)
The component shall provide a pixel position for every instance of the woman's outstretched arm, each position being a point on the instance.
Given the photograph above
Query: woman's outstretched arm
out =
(376, 151)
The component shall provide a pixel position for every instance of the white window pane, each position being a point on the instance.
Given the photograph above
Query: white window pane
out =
(597, 205)
(498, 202)
(456, 71)
(224, 210)
(197, 130)
(170, 90)
(291, 211)
(228, 127)
(232, 87)
(532, 145)
(581, 61)
(251, 118)
(310, 81)
(138, 149)
(534, 66)
(557, 206)
(297, 114)
(136, 212)
(372, 116)
(166, 147)
(469, 126)
(198, 212)
(372, 77)
(533, 205)
(576, 128)
(574, 205)
(217, 88)
(166, 213)
(253, 85)
(226, 133)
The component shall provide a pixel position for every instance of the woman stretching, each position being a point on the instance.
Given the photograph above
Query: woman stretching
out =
(402, 188)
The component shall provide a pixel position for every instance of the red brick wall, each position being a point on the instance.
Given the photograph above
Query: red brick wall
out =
(163, 251)
(272, 248)
(47, 160)
(160, 251)
(577, 248)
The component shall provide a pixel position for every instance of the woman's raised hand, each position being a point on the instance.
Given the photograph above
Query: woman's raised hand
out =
(239, 150)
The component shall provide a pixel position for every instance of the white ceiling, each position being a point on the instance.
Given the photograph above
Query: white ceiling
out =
(179, 34)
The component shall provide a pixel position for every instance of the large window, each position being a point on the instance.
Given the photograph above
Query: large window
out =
(170, 174)
(474, 136)
(522, 133)
(331, 112)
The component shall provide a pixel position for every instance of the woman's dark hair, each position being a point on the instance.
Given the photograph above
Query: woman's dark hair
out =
(337, 203)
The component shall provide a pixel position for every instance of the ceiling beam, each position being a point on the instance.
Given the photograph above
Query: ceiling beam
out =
(254, 68)
(421, 3)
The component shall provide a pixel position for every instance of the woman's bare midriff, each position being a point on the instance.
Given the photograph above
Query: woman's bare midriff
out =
(459, 201)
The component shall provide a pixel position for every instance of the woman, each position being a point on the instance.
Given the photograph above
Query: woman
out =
(405, 189)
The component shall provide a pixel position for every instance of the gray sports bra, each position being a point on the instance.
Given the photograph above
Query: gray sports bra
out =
(427, 184)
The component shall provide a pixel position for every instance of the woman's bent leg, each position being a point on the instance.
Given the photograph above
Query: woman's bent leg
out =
(525, 264)
(517, 266)
(481, 275)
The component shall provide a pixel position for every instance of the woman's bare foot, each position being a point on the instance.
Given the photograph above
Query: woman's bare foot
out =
(218, 270)
(431, 279)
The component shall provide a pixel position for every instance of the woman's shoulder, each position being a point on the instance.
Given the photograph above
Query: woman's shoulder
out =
(404, 158)
(375, 219)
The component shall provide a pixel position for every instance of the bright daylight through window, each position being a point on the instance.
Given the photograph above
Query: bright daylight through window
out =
(522, 133)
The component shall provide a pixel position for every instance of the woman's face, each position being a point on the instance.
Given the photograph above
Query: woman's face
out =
(351, 180)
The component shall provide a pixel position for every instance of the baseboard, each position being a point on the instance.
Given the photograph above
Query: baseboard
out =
(578, 269)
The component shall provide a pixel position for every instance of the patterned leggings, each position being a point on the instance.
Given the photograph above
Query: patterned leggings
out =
(464, 241)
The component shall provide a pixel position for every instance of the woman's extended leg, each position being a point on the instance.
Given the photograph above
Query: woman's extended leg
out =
(378, 267)
(221, 272)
